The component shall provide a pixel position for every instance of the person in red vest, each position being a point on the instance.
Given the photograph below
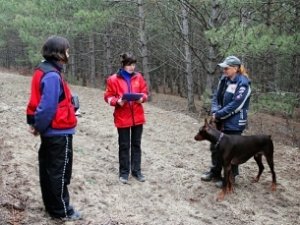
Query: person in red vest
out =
(126, 91)
(51, 114)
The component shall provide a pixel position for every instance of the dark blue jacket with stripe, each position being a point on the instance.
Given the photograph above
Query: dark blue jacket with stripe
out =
(230, 102)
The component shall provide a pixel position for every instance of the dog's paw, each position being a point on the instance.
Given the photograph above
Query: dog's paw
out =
(273, 187)
(230, 190)
(221, 196)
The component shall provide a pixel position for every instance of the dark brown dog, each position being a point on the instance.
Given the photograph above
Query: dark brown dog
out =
(236, 149)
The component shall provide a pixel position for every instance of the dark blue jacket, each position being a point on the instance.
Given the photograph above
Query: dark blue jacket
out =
(230, 102)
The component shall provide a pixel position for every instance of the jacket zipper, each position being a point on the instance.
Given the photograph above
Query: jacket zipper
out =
(130, 103)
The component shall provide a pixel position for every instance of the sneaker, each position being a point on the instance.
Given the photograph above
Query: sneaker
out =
(74, 216)
(78, 113)
(140, 177)
(123, 180)
(209, 176)
(219, 183)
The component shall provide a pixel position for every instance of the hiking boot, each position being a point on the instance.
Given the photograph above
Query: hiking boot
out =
(74, 216)
(140, 177)
(209, 176)
(123, 179)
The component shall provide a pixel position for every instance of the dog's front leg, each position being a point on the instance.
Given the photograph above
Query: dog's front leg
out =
(230, 181)
(226, 188)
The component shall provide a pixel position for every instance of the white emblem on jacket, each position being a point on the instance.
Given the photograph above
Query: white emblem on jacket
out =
(231, 88)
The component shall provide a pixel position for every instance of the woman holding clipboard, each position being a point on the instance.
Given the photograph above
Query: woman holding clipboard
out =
(126, 91)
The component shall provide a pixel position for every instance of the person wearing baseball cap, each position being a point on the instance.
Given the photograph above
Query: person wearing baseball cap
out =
(229, 110)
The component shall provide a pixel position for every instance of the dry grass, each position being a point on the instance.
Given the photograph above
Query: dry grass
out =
(172, 162)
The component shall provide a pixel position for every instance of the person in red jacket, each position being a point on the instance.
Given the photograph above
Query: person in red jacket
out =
(126, 91)
(51, 114)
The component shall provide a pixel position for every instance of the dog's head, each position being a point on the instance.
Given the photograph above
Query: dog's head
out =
(205, 131)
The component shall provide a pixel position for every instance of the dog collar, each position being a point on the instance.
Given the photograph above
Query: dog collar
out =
(219, 140)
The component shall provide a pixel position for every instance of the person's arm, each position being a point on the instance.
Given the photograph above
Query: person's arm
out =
(110, 94)
(240, 97)
(214, 102)
(50, 89)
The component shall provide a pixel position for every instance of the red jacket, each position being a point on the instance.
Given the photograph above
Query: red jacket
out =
(131, 113)
(65, 114)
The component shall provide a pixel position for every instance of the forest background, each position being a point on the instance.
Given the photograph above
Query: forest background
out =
(178, 44)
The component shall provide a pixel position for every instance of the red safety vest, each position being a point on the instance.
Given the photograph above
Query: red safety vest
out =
(65, 114)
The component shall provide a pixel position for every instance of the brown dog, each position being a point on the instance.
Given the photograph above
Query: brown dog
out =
(236, 149)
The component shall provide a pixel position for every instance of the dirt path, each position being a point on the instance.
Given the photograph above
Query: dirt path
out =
(172, 162)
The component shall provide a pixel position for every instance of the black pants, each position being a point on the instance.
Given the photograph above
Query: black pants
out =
(216, 158)
(130, 138)
(55, 164)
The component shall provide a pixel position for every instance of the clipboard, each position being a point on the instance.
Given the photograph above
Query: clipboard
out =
(132, 96)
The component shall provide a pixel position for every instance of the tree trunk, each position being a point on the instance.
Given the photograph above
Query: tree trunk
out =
(109, 69)
(73, 64)
(92, 60)
(212, 50)
(188, 59)
(143, 40)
